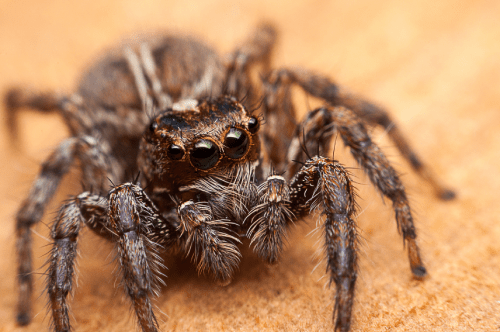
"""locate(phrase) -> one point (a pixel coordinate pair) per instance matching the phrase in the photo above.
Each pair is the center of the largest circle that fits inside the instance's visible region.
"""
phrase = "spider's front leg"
(325, 185)
(132, 217)
(96, 163)
(126, 218)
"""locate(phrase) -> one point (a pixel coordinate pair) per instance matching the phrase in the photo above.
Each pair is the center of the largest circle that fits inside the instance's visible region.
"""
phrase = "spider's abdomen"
(185, 67)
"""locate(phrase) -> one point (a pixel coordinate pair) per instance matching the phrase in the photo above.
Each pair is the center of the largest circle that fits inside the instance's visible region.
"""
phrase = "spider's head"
(217, 138)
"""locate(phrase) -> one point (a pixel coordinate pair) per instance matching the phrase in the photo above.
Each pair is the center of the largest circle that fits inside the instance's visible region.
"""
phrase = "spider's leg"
(322, 87)
(17, 98)
(324, 185)
(280, 122)
(96, 167)
(78, 118)
(132, 217)
(373, 161)
(143, 69)
(30, 213)
(257, 49)
(83, 208)
(213, 246)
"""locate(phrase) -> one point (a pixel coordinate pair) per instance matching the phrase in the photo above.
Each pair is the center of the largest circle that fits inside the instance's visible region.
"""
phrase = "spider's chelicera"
(210, 169)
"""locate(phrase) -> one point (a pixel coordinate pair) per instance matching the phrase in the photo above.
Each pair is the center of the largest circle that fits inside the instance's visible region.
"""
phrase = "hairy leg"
(322, 87)
(83, 208)
(323, 185)
(255, 50)
(134, 220)
(95, 164)
(17, 98)
(373, 161)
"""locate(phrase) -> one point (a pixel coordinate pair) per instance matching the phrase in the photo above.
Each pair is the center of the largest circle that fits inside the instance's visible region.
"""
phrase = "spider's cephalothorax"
(205, 179)
(202, 162)
(181, 147)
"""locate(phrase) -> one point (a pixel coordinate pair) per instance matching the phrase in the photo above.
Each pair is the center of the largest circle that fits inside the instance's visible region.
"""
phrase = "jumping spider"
(190, 123)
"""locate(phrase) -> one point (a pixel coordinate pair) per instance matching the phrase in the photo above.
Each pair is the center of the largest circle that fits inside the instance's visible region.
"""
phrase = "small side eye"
(236, 143)
(205, 154)
(175, 152)
(253, 125)
(153, 126)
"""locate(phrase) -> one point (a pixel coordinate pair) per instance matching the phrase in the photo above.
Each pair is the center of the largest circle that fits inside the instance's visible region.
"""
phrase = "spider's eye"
(153, 126)
(205, 154)
(236, 143)
(175, 152)
(253, 125)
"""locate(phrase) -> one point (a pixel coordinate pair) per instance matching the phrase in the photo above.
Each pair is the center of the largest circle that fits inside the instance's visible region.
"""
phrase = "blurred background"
(435, 65)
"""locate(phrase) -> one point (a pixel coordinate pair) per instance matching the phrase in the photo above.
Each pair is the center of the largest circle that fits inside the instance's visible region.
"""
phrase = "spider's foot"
(419, 272)
(416, 264)
(447, 194)
(23, 318)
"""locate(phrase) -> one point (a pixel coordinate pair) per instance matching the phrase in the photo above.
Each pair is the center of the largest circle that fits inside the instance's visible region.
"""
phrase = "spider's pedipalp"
(213, 246)
(270, 218)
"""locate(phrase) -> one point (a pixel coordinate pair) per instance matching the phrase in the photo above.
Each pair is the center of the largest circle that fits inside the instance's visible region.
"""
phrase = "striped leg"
(131, 215)
(324, 185)
(64, 250)
(373, 161)
(322, 87)
(96, 168)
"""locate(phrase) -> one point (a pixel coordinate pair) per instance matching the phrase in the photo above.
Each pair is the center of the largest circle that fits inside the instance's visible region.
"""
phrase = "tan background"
(434, 64)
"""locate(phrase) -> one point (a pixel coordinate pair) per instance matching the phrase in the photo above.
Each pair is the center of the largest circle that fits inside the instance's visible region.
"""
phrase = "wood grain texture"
(434, 64)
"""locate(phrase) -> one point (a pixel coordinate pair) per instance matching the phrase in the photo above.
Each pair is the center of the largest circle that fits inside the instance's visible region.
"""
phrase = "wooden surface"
(434, 64)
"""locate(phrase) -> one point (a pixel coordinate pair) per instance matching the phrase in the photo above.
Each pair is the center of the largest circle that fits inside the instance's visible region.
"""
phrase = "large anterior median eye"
(205, 154)
(236, 143)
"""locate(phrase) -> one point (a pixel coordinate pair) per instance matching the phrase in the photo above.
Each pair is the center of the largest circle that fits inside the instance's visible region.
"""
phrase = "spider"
(168, 137)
